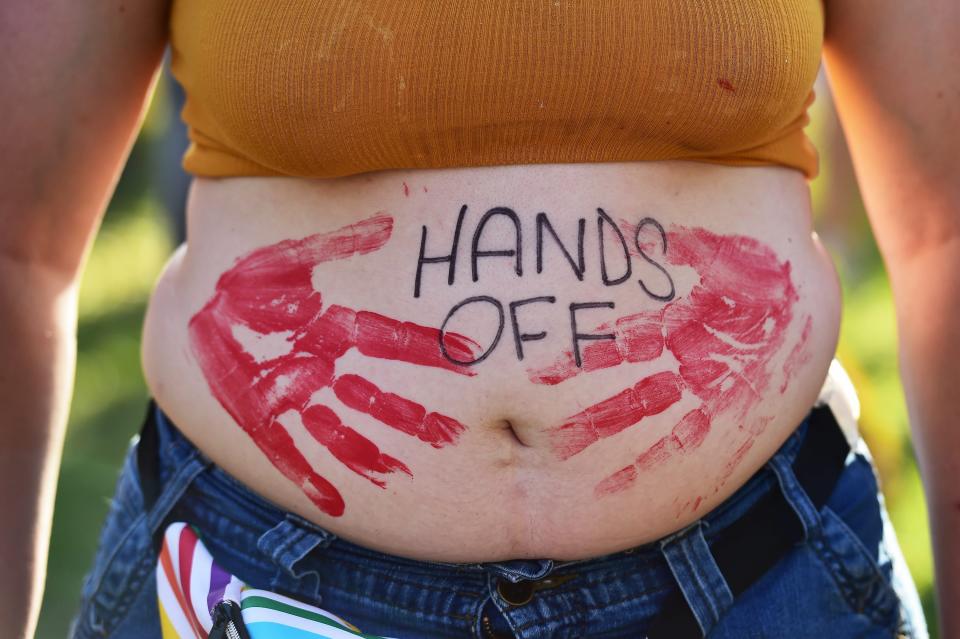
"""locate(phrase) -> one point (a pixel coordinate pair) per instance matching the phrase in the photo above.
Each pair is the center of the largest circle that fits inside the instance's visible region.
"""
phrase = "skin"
(235, 357)
(75, 78)
(723, 330)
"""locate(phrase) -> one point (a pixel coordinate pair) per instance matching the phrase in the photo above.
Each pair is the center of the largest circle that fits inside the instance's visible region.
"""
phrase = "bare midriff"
(478, 364)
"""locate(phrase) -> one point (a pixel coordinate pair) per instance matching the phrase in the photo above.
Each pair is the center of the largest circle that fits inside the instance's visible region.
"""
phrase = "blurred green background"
(138, 235)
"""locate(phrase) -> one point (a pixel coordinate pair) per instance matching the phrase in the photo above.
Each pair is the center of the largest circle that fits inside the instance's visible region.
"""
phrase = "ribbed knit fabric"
(325, 88)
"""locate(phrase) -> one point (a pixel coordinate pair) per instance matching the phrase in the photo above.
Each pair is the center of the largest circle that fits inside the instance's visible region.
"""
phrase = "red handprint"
(269, 292)
(722, 334)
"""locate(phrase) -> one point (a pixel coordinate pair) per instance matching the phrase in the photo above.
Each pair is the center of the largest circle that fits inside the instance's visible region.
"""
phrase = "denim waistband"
(273, 548)
(178, 456)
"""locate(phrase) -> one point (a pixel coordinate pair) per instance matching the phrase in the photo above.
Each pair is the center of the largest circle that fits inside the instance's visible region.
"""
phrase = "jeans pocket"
(862, 573)
(123, 563)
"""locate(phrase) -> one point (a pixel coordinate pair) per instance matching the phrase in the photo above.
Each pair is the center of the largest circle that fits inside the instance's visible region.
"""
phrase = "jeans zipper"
(227, 622)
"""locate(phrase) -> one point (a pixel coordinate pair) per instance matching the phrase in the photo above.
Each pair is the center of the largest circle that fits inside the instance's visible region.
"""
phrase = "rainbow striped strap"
(190, 586)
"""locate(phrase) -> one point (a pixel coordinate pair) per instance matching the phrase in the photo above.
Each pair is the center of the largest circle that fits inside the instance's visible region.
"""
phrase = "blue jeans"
(847, 578)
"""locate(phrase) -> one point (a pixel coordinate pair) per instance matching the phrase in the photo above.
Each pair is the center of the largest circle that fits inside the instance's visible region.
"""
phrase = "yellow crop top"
(326, 88)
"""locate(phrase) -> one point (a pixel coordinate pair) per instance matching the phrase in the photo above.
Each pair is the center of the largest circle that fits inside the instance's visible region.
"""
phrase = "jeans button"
(515, 594)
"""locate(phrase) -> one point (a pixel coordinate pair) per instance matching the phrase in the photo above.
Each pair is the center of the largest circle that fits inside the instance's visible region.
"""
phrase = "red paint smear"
(406, 190)
(230, 372)
(387, 338)
(330, 335)
(752, 431)
(270, 290)
(339, 329)
(685, 437)
(357, 453)
(564, 368)
(397, 412)
(637, 338)
(736, 458)
(651, 395)
(726, 85)
(799, 356)
(691, 431)
(723, 333)
(616, 482)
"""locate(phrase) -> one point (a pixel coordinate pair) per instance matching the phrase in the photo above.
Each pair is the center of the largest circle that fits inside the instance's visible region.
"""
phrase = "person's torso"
(488, 363)
(540, 332)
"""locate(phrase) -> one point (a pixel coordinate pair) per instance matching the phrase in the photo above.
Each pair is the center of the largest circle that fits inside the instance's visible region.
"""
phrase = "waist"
(559, 343)
(232, 515)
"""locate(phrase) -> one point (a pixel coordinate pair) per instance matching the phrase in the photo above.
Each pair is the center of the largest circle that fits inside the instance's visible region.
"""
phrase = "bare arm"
(895, 71)
(73, 81)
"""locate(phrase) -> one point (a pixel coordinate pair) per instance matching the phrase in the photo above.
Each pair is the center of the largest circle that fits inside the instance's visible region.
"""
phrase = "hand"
(270, 292)
(723, 335)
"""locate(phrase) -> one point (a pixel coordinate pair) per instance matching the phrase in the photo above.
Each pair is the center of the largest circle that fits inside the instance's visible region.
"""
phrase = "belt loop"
(288, 543)
(700, 580)
(159, 498)
(796, 496)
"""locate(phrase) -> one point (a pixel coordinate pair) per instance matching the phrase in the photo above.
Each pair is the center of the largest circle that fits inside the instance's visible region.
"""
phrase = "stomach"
(480, 364)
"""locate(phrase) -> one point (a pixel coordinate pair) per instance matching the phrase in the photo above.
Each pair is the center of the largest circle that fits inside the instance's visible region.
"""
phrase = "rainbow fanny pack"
(200, 600)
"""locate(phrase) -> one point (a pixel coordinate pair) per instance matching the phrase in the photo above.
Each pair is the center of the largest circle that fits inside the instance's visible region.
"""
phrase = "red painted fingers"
(268, 297)
(637, 338)
(723, 335)
(352, 449)
(397, 412)
(649, 396)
